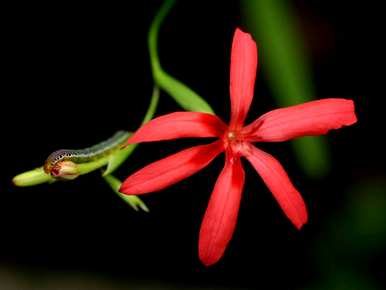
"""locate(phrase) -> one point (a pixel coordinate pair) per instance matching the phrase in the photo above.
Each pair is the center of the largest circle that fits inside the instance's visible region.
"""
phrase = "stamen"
(231, 136)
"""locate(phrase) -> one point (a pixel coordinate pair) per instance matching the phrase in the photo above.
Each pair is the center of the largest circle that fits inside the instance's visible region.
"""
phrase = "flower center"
(234, 140)
(231, 136)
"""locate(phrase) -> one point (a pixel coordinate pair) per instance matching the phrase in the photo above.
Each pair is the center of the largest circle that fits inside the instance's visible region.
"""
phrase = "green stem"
(182, 94)
(117, 159)
(153, 33)
(152, 107)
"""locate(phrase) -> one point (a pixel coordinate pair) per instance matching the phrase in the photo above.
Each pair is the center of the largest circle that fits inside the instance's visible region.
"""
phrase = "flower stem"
(119, 157)
(182, 94)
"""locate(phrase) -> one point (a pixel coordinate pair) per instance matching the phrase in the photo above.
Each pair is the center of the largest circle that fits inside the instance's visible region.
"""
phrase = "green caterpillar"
(92, 153)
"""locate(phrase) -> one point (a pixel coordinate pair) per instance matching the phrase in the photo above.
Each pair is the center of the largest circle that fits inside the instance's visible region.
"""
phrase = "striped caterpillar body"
(92, 153)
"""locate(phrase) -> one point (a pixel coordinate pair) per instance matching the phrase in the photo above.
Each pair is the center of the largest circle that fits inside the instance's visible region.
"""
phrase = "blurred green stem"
(273, 23)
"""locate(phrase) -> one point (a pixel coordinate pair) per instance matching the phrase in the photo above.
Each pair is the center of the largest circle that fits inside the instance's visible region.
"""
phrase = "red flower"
(311, 118)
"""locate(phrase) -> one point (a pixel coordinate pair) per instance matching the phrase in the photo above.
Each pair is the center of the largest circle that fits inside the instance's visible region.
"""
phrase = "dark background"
(73, 75)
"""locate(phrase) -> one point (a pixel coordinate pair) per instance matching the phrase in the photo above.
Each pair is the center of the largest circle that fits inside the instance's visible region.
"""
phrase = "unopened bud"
(32, 177)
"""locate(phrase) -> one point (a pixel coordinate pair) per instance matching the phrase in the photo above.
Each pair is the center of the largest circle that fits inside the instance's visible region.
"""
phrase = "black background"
(73, 75)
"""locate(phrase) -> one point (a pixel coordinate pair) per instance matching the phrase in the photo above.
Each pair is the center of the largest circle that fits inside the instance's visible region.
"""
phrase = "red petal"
(243, 75)
(179, 125)
(221, 215)
(279, 184)
(311, 118)
(170, 170)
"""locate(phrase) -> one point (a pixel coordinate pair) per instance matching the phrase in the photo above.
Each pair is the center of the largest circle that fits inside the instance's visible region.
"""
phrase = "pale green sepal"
(134, 201)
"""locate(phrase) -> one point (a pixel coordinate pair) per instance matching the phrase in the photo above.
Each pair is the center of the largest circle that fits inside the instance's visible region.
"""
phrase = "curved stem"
(182, 94)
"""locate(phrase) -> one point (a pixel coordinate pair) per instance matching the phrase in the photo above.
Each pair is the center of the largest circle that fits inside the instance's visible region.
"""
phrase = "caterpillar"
(92, 153)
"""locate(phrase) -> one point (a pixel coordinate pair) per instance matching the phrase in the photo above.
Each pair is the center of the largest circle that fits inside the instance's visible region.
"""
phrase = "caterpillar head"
(65, 170)
(53, 159)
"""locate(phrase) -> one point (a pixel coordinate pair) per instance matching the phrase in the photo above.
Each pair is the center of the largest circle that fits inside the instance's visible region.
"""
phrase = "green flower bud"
(32, 177)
